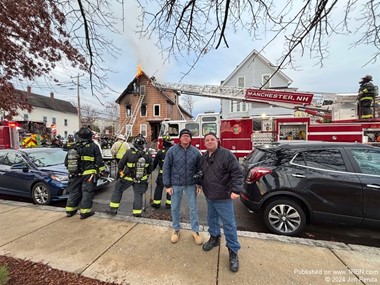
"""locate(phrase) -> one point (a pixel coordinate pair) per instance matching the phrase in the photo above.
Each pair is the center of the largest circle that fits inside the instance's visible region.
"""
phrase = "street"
(245, 220)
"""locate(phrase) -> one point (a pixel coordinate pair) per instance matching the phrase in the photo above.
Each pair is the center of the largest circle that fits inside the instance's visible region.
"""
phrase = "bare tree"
(188, 103)
(36, 36)
(89, 115)
(197, 27)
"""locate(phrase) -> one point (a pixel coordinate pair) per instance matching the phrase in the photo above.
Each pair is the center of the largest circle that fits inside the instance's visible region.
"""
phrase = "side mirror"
(22, 166)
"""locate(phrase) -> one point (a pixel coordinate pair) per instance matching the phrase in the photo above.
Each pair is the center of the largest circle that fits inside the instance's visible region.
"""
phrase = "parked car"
(37, 173)
(293, 184)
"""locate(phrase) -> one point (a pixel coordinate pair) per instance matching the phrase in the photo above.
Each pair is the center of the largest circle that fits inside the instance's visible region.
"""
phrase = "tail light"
(256, 173)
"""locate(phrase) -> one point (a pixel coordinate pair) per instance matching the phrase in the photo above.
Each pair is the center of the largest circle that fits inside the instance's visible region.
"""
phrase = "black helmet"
(84, 134)
(366, 78)
(139, 142)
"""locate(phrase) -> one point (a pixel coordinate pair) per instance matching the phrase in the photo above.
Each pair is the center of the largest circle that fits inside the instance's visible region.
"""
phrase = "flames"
(139, 71)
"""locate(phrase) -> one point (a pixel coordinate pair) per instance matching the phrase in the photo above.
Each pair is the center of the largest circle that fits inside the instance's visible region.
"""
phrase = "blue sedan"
(37, 173)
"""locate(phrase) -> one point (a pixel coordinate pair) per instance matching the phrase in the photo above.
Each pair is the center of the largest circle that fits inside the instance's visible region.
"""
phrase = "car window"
(368, 160)
(328, 159)
(13, 158)
(50, 158)
(3, 159)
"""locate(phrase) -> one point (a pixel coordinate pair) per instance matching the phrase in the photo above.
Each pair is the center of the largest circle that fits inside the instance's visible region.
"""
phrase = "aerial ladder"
(240, 94)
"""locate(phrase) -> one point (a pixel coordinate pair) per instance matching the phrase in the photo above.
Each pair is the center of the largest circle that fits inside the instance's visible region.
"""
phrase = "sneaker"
(157, 206)
(197, 238)
(234, 261)
(87, 215)
(175, 236)
(111, 211)
(212, 242)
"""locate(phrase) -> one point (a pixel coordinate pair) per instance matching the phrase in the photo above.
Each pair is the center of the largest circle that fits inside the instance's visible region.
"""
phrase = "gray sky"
(341, 72)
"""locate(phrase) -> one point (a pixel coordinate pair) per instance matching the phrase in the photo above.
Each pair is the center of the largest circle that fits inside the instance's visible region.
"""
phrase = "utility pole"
(78, 96)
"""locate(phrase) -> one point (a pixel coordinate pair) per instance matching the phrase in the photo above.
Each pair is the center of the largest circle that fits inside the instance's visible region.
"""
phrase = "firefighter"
(84, 163)
(366, 96)
(134, 167)
(70, 143)
(159, 160)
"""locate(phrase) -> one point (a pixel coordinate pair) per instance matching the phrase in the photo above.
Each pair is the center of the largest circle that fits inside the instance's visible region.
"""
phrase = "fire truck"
(335, 121)
(25, 134)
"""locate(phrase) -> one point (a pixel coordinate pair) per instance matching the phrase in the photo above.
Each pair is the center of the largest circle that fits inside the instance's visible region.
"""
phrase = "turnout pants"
(81, 192)
(138, 190)
(158, 192)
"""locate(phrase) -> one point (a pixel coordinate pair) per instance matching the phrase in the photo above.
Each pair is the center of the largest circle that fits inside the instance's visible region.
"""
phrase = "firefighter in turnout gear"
(366, 97)
(134, 167)
(84, 163)
(159, 160)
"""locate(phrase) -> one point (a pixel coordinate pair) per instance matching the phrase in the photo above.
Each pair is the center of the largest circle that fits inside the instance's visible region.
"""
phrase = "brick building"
(153, 106)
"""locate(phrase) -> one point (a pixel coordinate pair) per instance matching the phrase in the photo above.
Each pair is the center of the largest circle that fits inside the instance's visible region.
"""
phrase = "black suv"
(293, 184)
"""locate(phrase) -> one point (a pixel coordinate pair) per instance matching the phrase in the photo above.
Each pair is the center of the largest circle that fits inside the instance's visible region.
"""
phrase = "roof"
(253, 54)
(46, 102)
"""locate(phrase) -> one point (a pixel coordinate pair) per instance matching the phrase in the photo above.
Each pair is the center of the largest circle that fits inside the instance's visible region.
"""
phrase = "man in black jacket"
(222, 182)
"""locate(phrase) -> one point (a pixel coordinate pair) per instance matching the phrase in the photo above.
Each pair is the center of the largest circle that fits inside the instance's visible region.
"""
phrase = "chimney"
(51, 95)
(28, 91)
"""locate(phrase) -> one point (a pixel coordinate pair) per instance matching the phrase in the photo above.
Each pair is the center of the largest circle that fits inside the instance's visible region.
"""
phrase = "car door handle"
(298, 175)
(373, 186)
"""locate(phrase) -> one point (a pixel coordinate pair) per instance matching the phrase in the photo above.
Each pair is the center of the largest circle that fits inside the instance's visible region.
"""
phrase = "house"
(255, 71)
(143, 107)
(56, 113)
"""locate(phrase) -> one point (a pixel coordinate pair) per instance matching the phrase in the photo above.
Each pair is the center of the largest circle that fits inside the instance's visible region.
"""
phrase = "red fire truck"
(16, 134)
(337, 121)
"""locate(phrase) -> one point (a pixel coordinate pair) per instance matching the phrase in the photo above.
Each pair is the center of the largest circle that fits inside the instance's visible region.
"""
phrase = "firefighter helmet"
(84, 134)
(139, 142)
(70, 138)
(367, 78)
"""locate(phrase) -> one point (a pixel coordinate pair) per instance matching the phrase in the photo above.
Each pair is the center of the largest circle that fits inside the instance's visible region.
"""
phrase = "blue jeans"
(223, 209)
(176, 206)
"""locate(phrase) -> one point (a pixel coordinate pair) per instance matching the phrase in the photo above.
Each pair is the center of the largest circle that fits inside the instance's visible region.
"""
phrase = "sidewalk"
(129, 250)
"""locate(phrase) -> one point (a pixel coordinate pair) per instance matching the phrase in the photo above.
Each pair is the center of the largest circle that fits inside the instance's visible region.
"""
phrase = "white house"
(60, 114)
(254, 71)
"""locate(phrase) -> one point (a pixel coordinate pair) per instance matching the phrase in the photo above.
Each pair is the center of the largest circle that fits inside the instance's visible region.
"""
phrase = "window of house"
(265, 82)
(142, 89)
(128, 110)
(244, 106)
(26, 117)
(65, 134)
(240, 82)
(237, 106)
(65, 122)
(232, 106)
(128, 130)
(44, 119)
(143, 110)
(156, 110)
(144, 130)
(54, 120)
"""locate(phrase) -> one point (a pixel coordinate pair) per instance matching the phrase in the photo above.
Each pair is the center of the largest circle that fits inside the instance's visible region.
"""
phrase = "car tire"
(41, 194)
(284, 217)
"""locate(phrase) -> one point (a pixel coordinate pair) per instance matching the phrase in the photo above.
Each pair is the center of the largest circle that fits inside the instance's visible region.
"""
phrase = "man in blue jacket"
(182, 162)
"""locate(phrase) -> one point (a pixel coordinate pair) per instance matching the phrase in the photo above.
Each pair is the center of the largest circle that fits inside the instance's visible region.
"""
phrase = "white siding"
(252, 69)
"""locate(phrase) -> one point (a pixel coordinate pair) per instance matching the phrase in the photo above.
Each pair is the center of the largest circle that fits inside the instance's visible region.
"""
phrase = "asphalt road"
(245, 220)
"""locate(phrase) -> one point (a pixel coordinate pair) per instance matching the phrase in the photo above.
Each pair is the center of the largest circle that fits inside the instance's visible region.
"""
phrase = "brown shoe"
(175, 236)
(197, 238)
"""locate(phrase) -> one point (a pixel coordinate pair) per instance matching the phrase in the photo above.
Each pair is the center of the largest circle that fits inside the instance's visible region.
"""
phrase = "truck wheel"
(284, 217)
(41, 194)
